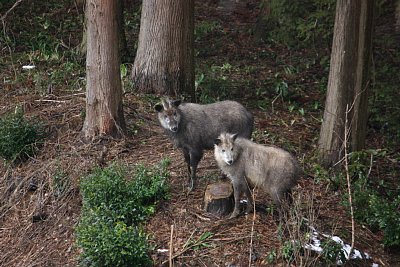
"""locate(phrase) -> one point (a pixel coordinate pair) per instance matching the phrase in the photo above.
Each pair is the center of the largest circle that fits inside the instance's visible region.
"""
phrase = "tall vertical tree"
(164, 62)
(123, 46)
(104, 113)
(348, 79)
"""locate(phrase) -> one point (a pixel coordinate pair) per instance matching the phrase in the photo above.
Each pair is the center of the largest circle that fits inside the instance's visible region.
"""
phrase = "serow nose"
(230, 162)
(174, 128)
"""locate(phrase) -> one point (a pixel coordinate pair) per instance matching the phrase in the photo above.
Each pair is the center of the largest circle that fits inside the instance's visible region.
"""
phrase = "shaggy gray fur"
(193, 127)
(250, 165)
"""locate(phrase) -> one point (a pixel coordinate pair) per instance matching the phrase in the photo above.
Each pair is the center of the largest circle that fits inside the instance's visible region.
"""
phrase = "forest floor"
(37, 226)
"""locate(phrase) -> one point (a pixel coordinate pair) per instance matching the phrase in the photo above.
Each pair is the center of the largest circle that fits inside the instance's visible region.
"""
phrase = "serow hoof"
(234, 215)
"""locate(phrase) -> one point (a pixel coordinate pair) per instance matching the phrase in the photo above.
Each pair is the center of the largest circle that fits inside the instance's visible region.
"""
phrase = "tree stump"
(218, 199)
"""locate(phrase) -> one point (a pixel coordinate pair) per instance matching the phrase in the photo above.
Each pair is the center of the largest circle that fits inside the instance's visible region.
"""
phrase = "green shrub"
(109, 232)
(379, 211)
(383, 105)
(386, 216)
(288, 250)
(150, 185)
(18, 137)
(300, 23)
(108, 243)
(215, 84)
(332, 252)
(204, 28)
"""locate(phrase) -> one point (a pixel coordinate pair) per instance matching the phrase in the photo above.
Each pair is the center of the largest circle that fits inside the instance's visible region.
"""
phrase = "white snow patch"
(315, 245)
(28, 67)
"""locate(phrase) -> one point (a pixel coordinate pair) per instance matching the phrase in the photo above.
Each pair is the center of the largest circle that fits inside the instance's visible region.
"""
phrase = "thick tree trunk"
(104, 114)
(164, 62)
(347, 85)
(123, 46)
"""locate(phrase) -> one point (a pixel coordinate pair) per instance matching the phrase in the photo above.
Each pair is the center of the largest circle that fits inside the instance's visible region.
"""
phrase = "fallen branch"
(199, 216)
(187, 246)
(11, 9)
(50, 100)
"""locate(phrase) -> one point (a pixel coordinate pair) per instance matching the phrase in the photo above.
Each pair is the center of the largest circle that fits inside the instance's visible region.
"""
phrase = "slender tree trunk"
(348, 79)
(363, 72)
(82, 46)
(104, 113)
(397, 15)
(164, 62)
(123, 46)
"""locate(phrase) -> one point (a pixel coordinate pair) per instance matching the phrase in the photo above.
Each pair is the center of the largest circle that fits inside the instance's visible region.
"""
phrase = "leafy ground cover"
(41, 198)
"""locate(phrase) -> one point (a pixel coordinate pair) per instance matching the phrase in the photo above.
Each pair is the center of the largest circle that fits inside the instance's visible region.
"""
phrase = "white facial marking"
(228, 157)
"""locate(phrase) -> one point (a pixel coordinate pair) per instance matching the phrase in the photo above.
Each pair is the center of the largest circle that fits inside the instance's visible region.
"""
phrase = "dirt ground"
(37, 226)
(37, 220)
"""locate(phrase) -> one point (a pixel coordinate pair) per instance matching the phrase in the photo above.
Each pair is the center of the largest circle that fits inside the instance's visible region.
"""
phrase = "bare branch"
(171, 246)
(11, 9)
(252, 226)
(346, 166)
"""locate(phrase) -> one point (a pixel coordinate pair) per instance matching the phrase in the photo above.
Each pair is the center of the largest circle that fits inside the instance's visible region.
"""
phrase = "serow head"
(169, 114)
(225, 147)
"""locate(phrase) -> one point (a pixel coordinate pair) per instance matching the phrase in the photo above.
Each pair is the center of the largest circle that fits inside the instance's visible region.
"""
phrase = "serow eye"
(232, 149)
(223, 150)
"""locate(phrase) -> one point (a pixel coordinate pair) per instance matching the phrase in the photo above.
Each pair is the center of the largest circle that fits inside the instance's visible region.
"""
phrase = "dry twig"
(171, 247)
(346, 166)
(252, 226)
(11, 9)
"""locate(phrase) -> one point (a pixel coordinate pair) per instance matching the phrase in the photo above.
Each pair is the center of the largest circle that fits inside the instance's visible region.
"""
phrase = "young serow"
(250, 165)
(193, 127)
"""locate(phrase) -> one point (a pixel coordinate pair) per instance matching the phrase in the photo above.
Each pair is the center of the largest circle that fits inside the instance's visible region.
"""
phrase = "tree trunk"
(164, 62)
(82, 46)
(218, 198)
(123, 46)
(104, 113)
(347, 85)
(363, 72)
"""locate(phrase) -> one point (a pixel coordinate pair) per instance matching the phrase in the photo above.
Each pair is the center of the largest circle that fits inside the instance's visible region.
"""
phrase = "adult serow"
(194, 127)
(250, 165)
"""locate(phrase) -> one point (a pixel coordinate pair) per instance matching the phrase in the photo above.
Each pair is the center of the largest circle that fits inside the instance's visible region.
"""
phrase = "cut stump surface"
(218, 199)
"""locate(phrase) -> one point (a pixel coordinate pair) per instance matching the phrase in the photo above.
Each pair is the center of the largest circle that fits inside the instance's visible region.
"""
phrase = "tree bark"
(218, 198)
(348, 79)
(363, 76)
(123, 46)
(104, 113)
(164, 62)
(81, 48)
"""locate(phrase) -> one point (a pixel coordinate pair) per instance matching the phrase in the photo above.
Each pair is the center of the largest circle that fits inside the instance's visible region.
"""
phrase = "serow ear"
(234, 136)
(176, 103)
(158, 107)
(217, 141)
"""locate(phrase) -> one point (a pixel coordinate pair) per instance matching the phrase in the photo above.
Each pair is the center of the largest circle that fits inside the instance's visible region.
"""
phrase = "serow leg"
(236, 195)
(194, 161)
